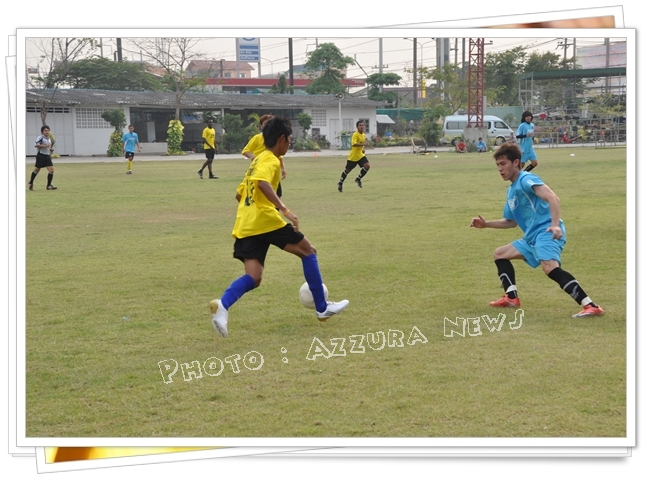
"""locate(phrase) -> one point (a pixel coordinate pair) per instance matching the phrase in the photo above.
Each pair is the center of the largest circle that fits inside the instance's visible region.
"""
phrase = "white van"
(497, 128)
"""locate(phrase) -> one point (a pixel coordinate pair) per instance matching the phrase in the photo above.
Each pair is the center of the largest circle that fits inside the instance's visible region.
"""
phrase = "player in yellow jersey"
(256, 146)
(356, 157)
(259, 224)
(208, 135)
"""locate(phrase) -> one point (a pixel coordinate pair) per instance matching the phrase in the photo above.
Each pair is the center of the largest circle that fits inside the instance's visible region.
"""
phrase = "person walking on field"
(44, 148)
(208, 135)
(129, 142)
(356, 157)
(534, 207)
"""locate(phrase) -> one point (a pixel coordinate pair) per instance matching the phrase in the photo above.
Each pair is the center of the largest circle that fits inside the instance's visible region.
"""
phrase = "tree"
(171, 55)
(450, 90)
(501, 72)
(325, 66)
(281, 86)
(118, 120)
(57, 55)
(102, 74)
(305, 121)
(236, 136)
(377, 81)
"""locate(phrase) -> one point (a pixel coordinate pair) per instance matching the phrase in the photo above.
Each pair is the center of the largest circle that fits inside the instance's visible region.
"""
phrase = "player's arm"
(282, 168)
(269, 193)
(247, 151)
(546, 194)
(503, 223)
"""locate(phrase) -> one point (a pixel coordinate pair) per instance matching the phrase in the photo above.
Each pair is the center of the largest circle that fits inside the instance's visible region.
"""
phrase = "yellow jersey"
(256, 145)
(209, 135)
(257, 214)
(356, 152)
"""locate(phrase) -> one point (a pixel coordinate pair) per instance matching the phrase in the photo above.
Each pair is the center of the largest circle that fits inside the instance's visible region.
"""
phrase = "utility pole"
(119, 58)
(414, 72)
(291, 64)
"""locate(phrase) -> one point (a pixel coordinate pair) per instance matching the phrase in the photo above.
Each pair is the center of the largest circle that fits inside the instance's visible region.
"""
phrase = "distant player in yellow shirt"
(356, 157)
(208, 135)
(259, 225)
(256, 146)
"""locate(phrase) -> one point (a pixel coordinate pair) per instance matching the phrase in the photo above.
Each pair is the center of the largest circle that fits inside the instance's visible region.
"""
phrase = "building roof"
(105, 98)
(384, 119)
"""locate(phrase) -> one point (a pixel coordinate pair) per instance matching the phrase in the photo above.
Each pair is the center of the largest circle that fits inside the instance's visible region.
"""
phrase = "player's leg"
(307, 253)
(347, 169)
(211, 155)
(506, 272)
(32, 177)
(364, 169)
(531, 156)
(129, 162)
(253, 255)
(549, 252)
(51, 172)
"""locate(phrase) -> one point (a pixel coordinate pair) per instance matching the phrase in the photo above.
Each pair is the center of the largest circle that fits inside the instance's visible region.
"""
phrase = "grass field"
(120, 270)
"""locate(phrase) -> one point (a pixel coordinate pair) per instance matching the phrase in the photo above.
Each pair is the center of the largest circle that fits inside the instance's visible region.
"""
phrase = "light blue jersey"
(527, 143)
(130, 140)
(528, 210)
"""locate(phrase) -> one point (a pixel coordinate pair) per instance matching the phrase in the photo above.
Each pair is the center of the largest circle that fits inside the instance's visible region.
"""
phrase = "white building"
(74, 116)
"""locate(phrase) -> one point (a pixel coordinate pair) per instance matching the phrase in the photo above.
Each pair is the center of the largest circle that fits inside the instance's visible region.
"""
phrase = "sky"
(397, 52)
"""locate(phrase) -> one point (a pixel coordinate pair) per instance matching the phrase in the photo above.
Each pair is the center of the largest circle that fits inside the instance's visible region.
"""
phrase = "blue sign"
(248, 49)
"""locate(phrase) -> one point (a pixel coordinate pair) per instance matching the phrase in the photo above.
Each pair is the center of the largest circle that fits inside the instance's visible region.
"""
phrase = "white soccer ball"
(306, 298)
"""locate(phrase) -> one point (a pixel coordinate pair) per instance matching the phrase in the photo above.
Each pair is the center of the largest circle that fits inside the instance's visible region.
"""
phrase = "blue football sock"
(315, 282)
(237, 289)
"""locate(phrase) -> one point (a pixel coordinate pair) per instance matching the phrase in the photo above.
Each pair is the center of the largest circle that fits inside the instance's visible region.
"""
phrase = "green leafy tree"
(325, 66)
(118, 120)
(305, 121)
(378, 80)
(175, 137)
(501, 72)
(103, 74)
(430, 129)
(236, 136)
(450, 91)
(281, 86)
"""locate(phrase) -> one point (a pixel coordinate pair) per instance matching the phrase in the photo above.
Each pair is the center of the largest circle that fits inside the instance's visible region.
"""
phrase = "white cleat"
(219, 317)
(332, 309)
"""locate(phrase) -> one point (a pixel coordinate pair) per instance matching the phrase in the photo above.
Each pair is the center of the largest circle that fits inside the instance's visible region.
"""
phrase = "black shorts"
(210, 153)
(43, 161)
(129, 154)
(352, 164)
(256, 247)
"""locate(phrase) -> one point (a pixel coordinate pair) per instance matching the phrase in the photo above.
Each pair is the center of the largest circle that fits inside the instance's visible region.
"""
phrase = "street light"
(271, 63)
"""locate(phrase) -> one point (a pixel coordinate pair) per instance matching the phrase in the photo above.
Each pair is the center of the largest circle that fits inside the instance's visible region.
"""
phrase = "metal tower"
(476, 83)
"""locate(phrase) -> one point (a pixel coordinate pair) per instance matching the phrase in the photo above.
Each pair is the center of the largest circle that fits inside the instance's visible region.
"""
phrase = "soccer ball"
(306, 298)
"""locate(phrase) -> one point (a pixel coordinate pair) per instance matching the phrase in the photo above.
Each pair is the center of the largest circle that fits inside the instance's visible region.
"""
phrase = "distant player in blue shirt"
(525, 135)
(130, 141)
(481, 146)
(533, 206)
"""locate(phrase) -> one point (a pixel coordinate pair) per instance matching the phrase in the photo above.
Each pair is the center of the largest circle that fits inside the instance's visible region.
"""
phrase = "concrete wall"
(78, 132)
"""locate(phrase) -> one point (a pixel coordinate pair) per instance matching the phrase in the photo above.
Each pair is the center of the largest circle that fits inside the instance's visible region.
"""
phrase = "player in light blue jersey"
(130, 141)
(534, 207)
(525, 135)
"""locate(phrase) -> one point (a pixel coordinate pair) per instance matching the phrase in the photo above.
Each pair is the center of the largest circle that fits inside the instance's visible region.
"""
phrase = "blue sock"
(237, 289)
(315, 282)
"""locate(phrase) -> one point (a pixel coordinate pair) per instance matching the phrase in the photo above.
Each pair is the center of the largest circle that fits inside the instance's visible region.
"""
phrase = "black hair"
(44, 127)
(526, 113)
(275, 128)
(358, 122)
(510, 151)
